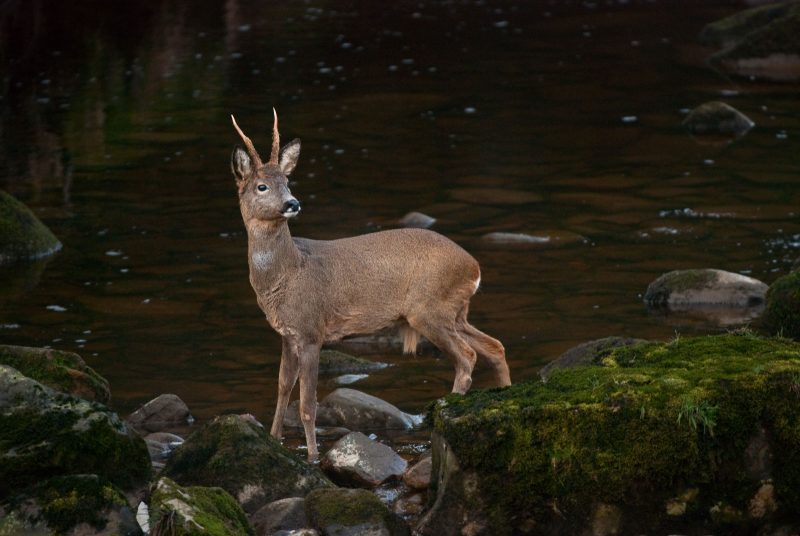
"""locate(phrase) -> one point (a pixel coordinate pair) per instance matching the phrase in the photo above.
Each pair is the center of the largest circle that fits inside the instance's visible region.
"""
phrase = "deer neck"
(273, 256)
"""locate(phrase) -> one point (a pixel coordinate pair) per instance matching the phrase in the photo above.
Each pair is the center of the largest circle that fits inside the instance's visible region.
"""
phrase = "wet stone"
(418, 220)
(334, 362)
(284, 514)
(357, 460)
(418, 475)
(162, 412)
(22, 236)
(351, 512)
(539, 239)
(681, 289)
(717, 118)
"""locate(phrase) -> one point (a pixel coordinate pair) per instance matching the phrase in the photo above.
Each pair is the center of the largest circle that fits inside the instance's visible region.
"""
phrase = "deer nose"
(291, 207)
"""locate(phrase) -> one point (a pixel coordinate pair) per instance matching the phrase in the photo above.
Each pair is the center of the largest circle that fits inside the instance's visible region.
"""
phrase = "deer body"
(318, 291)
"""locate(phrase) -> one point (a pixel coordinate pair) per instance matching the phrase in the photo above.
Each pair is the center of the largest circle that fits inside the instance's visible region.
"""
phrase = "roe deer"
(317, 291)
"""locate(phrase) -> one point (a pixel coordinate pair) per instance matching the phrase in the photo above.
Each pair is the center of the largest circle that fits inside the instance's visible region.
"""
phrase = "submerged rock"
(355, 410)
(587, 353)
(163, 412)
(717, 118)
(333, 362)
(357, 460)
(284, 514)
(782, 313)
(22, 236)
(682, 289)
(196, 511)
(418, 220)
(236, 454)
(44, 433)
(621, 439)
(351, 512)
(541, 239)
(62, 371)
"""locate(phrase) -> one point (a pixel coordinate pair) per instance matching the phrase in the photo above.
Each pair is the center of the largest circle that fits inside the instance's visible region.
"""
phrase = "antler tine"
(276, 140)
(247, 143)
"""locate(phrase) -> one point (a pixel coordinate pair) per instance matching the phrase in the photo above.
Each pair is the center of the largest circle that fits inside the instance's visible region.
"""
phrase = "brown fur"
(315, 292)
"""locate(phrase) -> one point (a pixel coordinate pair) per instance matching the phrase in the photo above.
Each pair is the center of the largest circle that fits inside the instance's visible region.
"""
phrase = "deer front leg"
(287, 377)
(309, 368)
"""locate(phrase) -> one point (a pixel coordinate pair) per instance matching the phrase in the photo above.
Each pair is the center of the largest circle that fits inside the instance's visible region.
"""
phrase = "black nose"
(292, 205)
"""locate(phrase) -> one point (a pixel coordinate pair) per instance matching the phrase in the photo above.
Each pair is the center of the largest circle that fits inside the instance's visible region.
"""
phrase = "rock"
(75, 504)
(163, 412)
(349, 379)
(651, 422)
(683, 289)
(355, 410)
(62, 371)
(677, 506)
(357, 460)
(587, 353)
(543, 238)
(782, 313)
(44, 433)
(184, 511)
(717, 118)
(606, 520)
(410, 505)
(285, 514)
(22, 236)
(418, 220)
(333, 362)
(380, 342)
(351, 512)
(762, 42)
(236, 453)
(418, 475)
(763, 502)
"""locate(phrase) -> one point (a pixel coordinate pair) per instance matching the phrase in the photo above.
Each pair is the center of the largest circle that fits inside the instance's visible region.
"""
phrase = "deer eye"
(262, 187)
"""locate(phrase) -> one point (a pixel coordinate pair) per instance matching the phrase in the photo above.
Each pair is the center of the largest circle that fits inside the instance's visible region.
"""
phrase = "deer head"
(264, 188)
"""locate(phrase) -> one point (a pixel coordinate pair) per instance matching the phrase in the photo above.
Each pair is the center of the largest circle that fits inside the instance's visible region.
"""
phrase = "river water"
(558, 119)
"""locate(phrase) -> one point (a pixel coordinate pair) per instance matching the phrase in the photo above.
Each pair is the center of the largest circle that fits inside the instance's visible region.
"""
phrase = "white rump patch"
(477, 284)
(262, 259)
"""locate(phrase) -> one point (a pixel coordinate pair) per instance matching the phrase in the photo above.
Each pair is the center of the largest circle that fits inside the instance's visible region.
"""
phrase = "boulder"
(351, 512)
(355, 410)
(418, 220)
(681, 289)
(62, 371)
(333, 362)
(717, 118)
(163, 412)
(44, 433)
(616, 448)
(235, 453)
(195, 510)
(74, 504)
(357, 460)
(782, 313)
(587, 353)
(22, 236)
(418, 476)
(284, 514)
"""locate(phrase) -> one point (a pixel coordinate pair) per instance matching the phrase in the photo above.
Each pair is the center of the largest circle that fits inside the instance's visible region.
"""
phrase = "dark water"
(554, 118)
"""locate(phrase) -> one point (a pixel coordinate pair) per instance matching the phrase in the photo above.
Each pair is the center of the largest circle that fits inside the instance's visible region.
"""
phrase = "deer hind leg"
(309, 369)
(489, 349)
(446, 337)
(287, 377)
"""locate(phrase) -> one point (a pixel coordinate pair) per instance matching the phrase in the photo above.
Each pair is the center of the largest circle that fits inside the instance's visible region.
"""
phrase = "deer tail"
(410, 339)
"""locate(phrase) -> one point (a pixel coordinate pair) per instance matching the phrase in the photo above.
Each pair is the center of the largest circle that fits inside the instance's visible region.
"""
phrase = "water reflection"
(488, 116)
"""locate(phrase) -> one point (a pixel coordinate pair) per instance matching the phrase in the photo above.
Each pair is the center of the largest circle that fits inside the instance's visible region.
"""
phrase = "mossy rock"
(587, 353)
(235, 453)
(62, 371)
(44, 433)
(195, 511)
(64, 503)
(681, 289)
(734, 28)
(22, 236)
(782, 314)
(717, 118)
(351, 512)
(653, 420)
(333, 362)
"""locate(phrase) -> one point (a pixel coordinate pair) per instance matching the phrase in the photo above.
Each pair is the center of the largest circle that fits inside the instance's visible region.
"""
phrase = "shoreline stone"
(681, 289)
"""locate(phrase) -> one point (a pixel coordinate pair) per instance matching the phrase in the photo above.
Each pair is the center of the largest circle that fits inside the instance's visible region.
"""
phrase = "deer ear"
(289, 155)
(241, 164)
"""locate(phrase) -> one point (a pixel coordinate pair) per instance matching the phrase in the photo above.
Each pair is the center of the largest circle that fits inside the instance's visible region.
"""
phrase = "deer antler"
(276, 140)
(249, 143)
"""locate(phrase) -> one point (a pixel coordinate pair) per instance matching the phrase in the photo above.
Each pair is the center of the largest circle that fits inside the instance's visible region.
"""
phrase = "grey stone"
(418, 220)
(357, 460)
(355, 410)
(418, 476)
(717, 118)
(333, 362)
(161, 413)
(351, 512)
(284, 514)
(587, 353)
(682, 289)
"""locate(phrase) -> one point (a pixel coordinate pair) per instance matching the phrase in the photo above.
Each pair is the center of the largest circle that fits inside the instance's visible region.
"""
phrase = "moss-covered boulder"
(587, 353)
(74, 504)
(235, 453)
(717, 118)
(350, 512)
(62, 371)
(22, 236)
(44, 433)
(763, 41)
(195, 511)
(332, 362)
(657, 434)
(782, 314)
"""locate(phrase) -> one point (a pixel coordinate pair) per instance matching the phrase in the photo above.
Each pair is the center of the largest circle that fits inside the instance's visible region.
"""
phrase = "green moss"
(195, 511)
(664, 417)
(326, 508)
(782, 313)
(62, 371)
(22, 235)
(70, 500)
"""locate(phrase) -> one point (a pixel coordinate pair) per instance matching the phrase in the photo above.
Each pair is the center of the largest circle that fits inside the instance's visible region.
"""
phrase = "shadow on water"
(558, 120)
